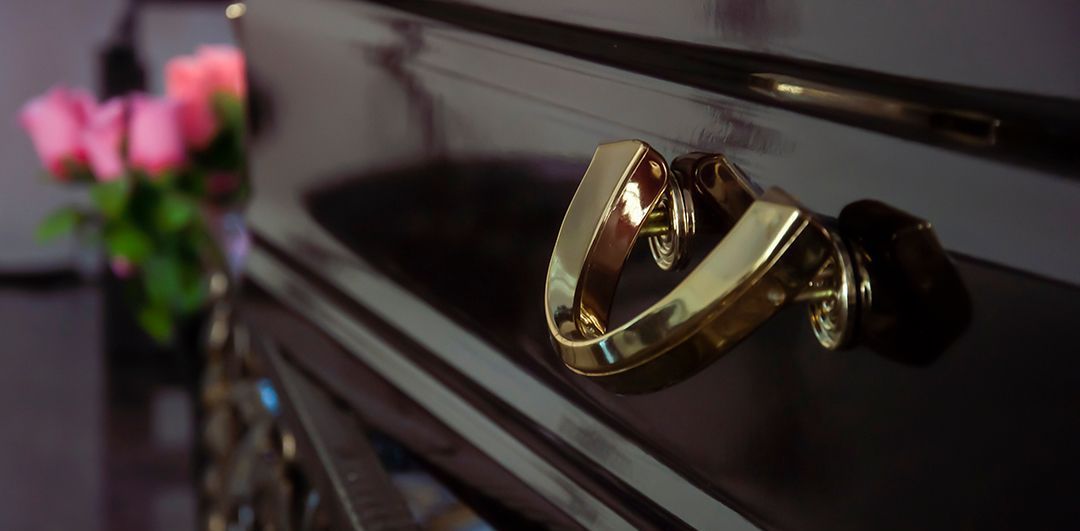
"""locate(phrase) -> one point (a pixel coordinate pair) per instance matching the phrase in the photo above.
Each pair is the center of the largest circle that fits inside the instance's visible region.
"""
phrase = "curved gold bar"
(768, 257)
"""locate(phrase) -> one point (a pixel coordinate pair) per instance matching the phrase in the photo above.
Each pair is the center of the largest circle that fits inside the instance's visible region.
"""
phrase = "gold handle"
(775, 252)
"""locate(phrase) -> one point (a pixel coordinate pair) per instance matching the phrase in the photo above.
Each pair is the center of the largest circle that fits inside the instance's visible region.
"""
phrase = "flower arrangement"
(152, 165)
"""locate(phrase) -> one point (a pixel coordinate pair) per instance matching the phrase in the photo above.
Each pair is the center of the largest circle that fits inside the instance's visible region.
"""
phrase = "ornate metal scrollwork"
(250, 479)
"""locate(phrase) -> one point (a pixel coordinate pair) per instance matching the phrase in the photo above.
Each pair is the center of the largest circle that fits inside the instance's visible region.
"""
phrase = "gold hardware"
(670, 226)
(774, 253)
(968, 127)
(833, 298)
(658, 222)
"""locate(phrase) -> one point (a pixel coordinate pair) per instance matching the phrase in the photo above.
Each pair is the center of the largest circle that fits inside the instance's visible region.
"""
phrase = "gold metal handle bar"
(771, 255)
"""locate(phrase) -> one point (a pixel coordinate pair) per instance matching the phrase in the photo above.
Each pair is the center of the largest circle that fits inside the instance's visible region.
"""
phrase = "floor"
(85, 446)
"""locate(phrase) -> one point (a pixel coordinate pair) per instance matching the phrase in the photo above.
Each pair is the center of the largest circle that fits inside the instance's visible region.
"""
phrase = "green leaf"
(156, 321)
(192, 295)
(173, 213)
(192, 182)
(110, 197)
(162, 279)
(230, 109)
(57, 224)
(128, 241)
(164, 178)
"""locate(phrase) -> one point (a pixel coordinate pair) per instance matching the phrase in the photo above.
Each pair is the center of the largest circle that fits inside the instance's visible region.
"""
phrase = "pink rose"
(185, 81)
(155, 142)
(55, 122)
(101, 139)
(194, 79)
(224, 67)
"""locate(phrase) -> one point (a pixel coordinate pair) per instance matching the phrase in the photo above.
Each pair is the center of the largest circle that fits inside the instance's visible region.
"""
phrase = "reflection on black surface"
(431, 502)
(475, 241)
(394, 60)
(980, 427)
(754, 20)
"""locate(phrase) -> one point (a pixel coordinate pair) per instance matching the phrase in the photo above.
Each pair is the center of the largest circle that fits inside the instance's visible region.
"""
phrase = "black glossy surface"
(382, 407)
(395, 151)
(430, 91)
(495, 252)
(987, 422)
(986, 43)
(1023, 129)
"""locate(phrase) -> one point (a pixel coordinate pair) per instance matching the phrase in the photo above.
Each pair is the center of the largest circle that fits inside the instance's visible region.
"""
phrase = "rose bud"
(55, 121)
(186, 82)
(155, 142)
(224, 67)
(102, 139)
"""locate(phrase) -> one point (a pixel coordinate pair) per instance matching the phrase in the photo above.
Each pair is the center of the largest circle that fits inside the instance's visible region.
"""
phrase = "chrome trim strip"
(479, 361)
(434, 396)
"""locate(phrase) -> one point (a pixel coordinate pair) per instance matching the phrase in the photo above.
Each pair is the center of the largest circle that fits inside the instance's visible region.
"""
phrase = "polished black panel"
(412, 173)
(1019, 128)
(994, 44)
(496, 494)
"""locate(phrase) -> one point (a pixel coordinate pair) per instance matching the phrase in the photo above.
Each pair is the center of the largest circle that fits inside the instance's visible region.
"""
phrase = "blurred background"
(98, 421)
